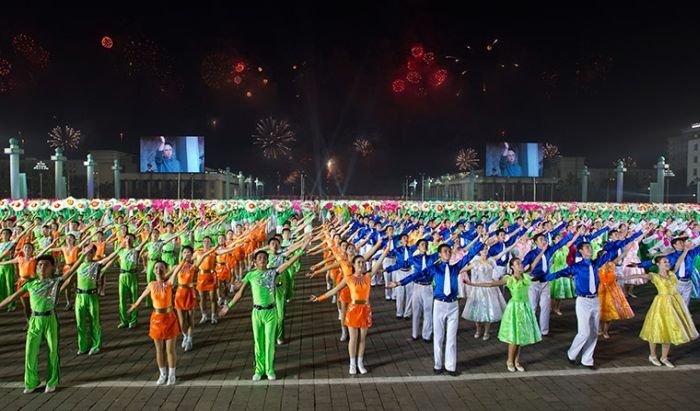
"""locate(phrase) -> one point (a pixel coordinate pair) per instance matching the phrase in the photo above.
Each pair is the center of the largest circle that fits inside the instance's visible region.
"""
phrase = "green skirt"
(518, 325)
(562, 288)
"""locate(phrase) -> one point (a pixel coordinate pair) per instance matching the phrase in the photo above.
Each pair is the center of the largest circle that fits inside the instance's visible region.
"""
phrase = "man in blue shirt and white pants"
(445, 278)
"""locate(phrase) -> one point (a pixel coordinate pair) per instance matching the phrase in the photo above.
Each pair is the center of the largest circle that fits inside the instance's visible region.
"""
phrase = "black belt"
(446, 300)
(260, 307)
(424, 283)
(79, 291)
(127, 272)
(684, 280)
(405, 269)
(588, 296)
(168, 251)
(42, 314)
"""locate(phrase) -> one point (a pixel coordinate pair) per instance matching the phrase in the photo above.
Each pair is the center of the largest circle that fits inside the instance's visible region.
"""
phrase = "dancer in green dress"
(518, 326)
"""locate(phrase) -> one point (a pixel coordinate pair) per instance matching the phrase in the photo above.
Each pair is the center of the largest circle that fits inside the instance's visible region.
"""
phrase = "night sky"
(600, 83)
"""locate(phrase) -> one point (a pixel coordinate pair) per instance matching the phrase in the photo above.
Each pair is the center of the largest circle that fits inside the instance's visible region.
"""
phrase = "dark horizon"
(604, 84)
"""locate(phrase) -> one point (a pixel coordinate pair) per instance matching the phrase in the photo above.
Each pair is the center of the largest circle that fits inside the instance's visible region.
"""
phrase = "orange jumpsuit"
(163, 325)
(185, 297)
(359, 313)
(206, 279)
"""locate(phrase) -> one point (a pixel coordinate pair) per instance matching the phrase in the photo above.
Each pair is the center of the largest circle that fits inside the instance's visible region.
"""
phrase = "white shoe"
(519, 367)
(29, 390)
(49, 389)
(171, 380)
(271, 377)
(184, 341)
(654, 361)
(162, 379)
(188, 346)
(204, 319)
(361, 368)
(94, 351)
(257, 377)
(353, 369)
(214, 320)
(667, 363)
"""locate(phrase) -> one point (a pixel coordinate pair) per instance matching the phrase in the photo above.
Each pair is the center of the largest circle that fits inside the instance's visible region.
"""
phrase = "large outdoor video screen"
(180, 154)
(514, 160)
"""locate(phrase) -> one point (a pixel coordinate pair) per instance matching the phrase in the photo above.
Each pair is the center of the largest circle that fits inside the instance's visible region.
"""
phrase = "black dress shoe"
(398, 317)
(437, 372)
(414, 338)
(453, 373)
(428, 341)
(571, 362)
(406, 318)
(589, 367)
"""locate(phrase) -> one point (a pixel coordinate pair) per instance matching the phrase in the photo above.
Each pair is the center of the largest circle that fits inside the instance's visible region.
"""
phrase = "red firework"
(420, 74)
(107, 42)
(5, 67)
(237, 80)
(398, 86)
(417, 51)
(239, 67)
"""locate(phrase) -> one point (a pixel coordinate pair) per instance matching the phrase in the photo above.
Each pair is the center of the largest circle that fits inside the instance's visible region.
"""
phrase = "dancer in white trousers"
(422, 298)
(445, 278)
(585, 274)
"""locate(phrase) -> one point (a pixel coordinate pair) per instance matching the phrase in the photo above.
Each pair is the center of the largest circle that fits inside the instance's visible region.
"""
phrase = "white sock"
(352, 362)
(171, 372)
(163, 371)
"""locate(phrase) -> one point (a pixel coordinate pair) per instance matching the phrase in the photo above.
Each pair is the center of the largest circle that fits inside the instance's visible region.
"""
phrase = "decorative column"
(117, 179)
(227, 184)
(620, 171)
(584, 183)
(59, 181)
(14, 152)
(90, 165)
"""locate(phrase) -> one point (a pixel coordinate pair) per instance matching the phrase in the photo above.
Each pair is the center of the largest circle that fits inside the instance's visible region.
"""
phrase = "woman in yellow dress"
(668, 320)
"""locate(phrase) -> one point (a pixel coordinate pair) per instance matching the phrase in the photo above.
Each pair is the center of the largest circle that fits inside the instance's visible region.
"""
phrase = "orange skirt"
(206, 282)
(344, 295)
(163, 326)
(358, 316)
(20, 282)
(613, 304)
(222, 273)
(239, 254)
(185, 299)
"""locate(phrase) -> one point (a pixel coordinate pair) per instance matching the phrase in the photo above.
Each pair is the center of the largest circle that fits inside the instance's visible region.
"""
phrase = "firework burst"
(292, 178)
(363, 147)
(64, 137)
(550, 151)
(467, 159)
(628, 162)
(274, 137)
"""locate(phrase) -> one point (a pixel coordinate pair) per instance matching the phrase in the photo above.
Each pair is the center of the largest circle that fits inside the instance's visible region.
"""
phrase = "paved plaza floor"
(313, 374)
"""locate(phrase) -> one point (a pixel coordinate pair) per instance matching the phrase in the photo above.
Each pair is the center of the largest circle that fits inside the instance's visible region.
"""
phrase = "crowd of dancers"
(208, 260)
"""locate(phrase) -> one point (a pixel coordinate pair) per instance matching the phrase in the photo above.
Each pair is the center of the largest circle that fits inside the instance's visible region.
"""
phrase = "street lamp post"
(41, 167)
(620, 170)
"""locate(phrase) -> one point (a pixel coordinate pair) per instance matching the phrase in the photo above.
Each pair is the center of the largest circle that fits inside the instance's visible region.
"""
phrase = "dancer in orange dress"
(70, 253)
(613, 304)
(185, 296)
(206, 277)
(164, 327)
(359, 315)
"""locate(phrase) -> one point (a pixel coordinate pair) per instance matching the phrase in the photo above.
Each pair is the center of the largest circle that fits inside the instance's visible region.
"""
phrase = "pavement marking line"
(378, 380)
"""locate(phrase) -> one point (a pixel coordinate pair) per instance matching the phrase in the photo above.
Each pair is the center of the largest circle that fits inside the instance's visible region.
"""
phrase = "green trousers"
(264, 331)
(7, 282)
(41, 327)
(150, 276)
(128, 294)
(281, 307)
(87, 311)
